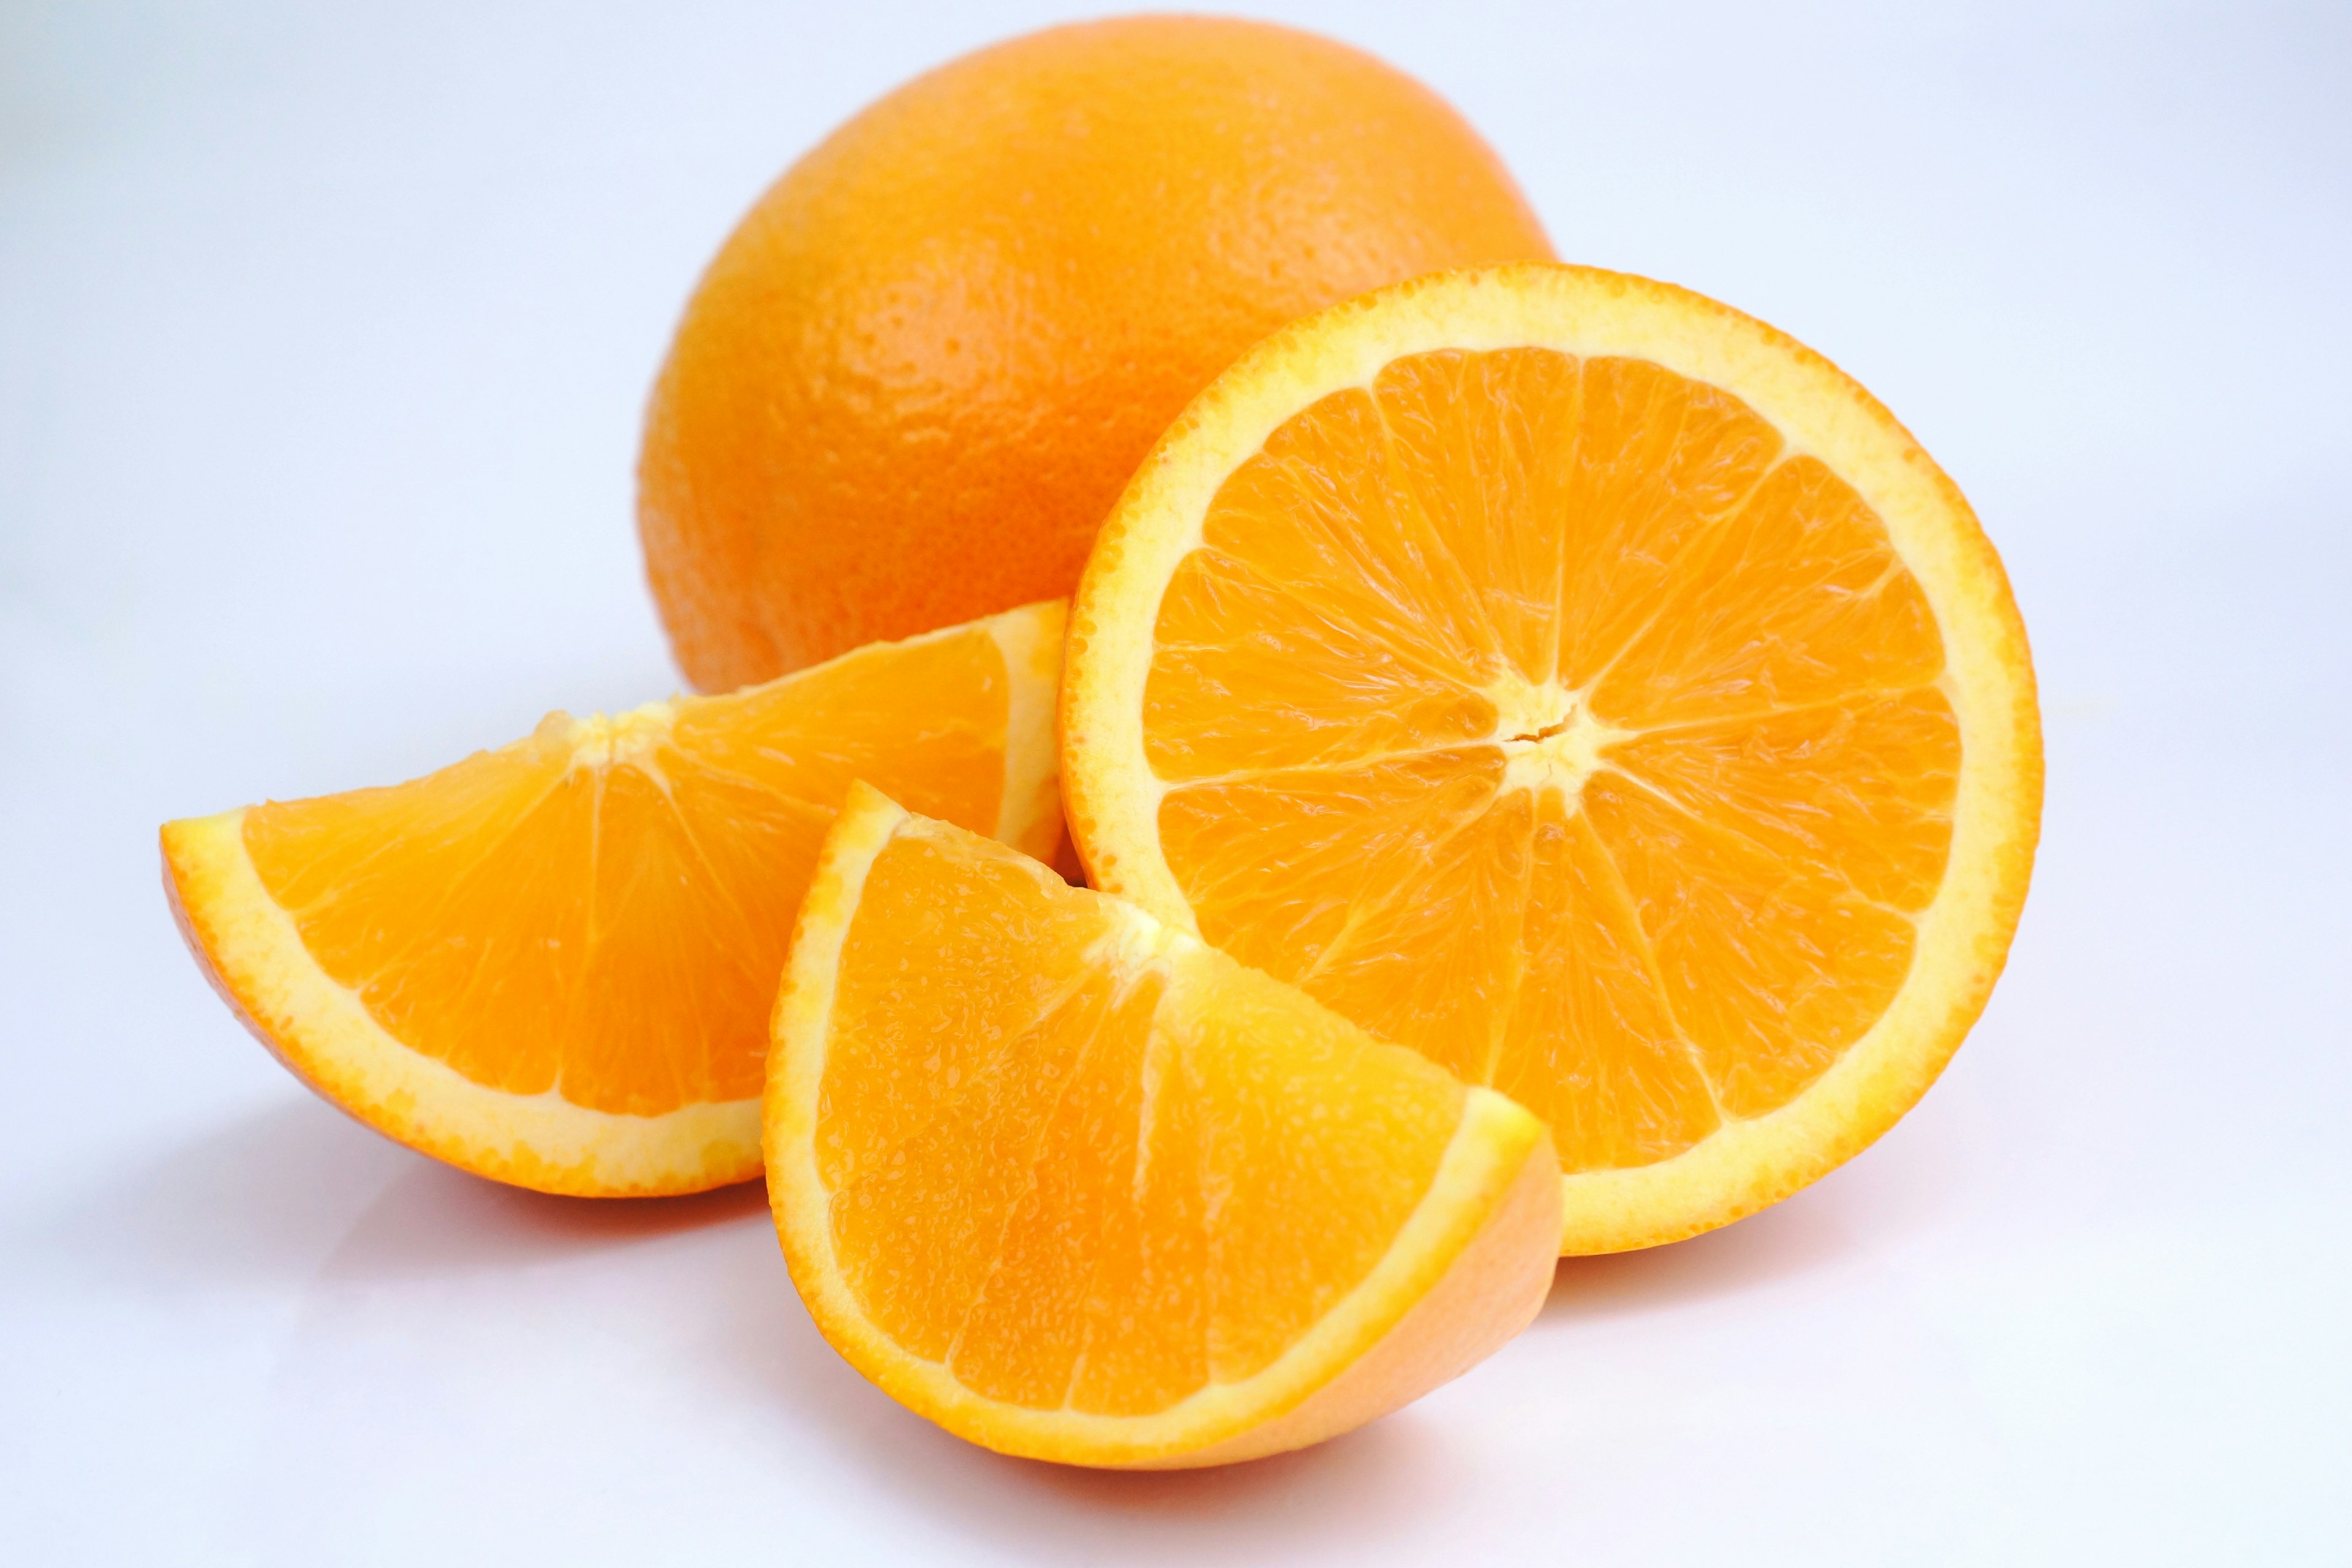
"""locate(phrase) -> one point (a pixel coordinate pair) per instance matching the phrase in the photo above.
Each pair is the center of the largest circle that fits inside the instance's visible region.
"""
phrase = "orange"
(914, 380)
(1077, 1187)
(1585, 684)
(552, 963)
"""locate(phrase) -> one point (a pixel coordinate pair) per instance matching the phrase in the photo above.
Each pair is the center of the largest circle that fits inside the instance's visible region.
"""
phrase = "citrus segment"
(1584, 684)
(1590, 1045)
(1080, 1188)
(553, 963)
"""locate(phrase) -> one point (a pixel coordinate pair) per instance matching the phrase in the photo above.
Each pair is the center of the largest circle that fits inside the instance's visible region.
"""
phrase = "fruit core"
(612, 740)
(1548, 736)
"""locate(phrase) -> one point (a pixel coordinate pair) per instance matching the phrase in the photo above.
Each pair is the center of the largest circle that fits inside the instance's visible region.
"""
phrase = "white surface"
(323, 344)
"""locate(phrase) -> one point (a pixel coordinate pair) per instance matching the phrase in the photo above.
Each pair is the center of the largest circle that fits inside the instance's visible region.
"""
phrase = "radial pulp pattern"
(1585, 685)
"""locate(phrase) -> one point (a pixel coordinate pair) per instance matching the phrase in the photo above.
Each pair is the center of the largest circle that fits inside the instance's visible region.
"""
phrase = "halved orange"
(552, 963)
(1585, 684)
(1077, 1187)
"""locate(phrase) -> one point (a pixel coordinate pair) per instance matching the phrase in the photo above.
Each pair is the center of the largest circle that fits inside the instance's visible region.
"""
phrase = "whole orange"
(917, 376)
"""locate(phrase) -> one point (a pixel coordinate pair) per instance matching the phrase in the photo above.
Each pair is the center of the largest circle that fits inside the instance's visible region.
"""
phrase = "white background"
(324, 333)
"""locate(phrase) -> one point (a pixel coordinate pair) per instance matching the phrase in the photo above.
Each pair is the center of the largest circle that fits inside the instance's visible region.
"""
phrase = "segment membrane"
(636, 1034)
(1318, 1144)
(1800, 598)
(1278, 865)
(1432, 958)
(1481, 448)
(1316, 693)
(1771, 973)
(1319, 510)
(1661, 461)
(1592, 1046)
(428, 900)
(1858, 792)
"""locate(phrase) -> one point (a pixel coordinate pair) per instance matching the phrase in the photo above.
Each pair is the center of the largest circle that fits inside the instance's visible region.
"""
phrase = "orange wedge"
(552, 963)
(1077, 1187)
(1589, 687)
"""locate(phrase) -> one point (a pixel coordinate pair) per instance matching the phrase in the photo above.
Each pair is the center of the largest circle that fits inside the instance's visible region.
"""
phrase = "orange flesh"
(1549, 717)
(1087, 1173)
(601, 909)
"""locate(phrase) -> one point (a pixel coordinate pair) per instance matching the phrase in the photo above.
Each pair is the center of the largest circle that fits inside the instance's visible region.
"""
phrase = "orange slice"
(1585, 684)
(552, 963)
(1077, 1187)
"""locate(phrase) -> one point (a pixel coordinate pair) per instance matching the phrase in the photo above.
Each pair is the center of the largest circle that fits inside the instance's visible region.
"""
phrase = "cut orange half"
(1077, 1187)
(552, 963)
(1589, 687)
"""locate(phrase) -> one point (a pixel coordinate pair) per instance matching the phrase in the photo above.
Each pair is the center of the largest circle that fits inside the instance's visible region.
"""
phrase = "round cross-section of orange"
(1585, 685)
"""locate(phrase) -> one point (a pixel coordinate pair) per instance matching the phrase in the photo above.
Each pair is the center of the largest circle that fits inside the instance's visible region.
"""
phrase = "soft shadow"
(1361, 1470)
(256, 1202)
(277, 1196)
(1354, 1489)
(435, 1220)
(1792, 1239)
(1356, 1493)
(1895, 1188)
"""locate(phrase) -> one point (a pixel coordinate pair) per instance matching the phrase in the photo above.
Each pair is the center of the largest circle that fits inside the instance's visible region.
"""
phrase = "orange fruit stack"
(1560, 764)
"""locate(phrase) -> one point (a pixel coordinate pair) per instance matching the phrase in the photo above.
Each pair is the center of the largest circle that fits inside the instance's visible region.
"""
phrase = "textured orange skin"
(917, 376)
